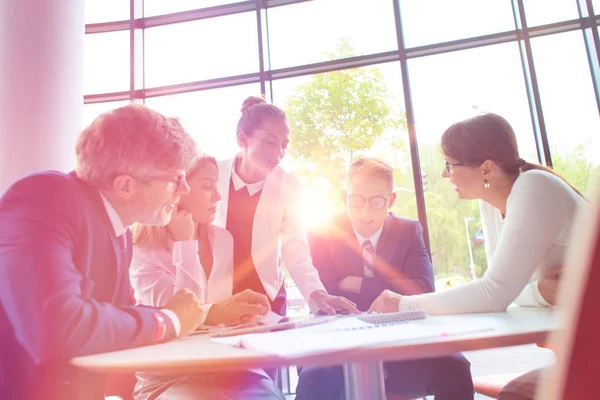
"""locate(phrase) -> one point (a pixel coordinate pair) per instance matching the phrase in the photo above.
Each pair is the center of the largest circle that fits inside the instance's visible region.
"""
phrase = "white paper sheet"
(342, 334)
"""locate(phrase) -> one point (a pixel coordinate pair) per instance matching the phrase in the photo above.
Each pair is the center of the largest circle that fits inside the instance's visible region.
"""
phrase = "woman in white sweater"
(538, 209)
(190, 253)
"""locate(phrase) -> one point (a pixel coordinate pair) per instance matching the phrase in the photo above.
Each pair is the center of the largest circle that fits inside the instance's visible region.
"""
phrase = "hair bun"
(250, 102)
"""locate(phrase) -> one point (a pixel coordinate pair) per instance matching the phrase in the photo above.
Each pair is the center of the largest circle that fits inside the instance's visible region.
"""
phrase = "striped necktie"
(368, 252)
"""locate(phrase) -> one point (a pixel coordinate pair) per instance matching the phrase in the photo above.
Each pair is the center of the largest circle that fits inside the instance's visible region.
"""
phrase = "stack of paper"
(345, 333)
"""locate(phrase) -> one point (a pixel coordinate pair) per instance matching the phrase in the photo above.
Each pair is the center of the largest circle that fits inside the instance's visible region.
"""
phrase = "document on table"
(345, 333)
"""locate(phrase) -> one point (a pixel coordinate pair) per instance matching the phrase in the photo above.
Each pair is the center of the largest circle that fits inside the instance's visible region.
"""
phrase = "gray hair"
(131, 140)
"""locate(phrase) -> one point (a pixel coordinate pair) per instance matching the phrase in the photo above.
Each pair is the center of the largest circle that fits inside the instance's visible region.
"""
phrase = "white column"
(41, 85)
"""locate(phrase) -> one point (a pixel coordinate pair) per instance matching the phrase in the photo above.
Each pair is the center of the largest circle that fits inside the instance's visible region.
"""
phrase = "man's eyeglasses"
(179, 181)
(449, 166)
(358, 201)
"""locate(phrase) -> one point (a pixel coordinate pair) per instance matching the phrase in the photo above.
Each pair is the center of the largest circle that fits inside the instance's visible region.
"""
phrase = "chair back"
(577, 351)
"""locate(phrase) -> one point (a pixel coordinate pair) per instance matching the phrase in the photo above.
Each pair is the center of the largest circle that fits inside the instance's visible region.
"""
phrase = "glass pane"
(569, 106)
(540, 12)
(160, 7)
(106, 65)
(596, 5)
(199, 50)
(106, 10)
(336, 117)
(313, 31)
(91, 111)
(210, 116)
(434, 21)
(447, 88)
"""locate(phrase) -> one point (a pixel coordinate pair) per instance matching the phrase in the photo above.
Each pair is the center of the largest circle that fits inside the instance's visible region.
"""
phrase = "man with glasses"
(359, 255)
(65, 250)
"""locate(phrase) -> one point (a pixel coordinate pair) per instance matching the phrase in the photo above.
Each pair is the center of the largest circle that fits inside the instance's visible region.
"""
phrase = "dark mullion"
(136, 50)
(202, 85)
(268, 44)
(410, 122)
(199, 14)
(104, 27)
(260, 5)
(533, 92)
(327, 66)
(554, 28)
(592, 44)
(334, 65)
(106, 97)
(462, 44)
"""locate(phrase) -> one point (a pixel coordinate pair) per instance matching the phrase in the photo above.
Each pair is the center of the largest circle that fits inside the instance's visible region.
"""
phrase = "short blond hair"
(158, 236)
(131, 140)
(367, 166)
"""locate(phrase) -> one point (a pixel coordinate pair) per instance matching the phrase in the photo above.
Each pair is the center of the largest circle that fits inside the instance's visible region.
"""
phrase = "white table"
(362, 366)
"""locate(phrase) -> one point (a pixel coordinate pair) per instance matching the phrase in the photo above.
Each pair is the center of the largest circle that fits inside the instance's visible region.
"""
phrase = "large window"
(107, 62)
(539, 12)
(159, 7)
(447, 88)
(97, 11)
(336, 67)
(434, 21)
(337, 116)
(310, 32)
(570, 109)
(210, 116)
(199, 50)
(91, 111)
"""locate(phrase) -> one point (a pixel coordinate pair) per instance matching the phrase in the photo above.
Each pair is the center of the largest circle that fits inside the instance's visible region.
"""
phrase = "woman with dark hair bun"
(262, 209)
(538, 208)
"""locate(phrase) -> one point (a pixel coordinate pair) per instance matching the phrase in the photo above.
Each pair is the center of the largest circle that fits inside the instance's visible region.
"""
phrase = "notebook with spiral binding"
(392, 318)
(348, 332)
(374, 319)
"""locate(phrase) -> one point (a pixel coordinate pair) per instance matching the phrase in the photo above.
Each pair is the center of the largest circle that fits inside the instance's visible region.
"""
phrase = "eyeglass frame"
(179, 181)
(364, 200)
(448, 166)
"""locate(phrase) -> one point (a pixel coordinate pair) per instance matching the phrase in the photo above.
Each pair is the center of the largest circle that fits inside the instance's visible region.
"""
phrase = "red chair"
(120, 385)
(577, 351)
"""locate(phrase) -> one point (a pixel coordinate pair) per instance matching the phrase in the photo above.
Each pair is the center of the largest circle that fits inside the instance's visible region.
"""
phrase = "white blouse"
(534, 237)
(157, 272)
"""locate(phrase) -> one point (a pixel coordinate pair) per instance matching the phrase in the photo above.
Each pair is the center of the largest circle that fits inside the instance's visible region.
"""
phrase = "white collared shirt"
(120, 229)
(373, 239)
(368, 271)
(114, 218)
(238, 183)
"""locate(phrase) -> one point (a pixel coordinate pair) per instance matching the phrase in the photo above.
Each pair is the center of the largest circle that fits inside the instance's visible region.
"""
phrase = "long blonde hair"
(152, 236)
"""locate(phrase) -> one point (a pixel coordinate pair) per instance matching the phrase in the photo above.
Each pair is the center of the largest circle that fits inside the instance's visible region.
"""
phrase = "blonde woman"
(190, 253)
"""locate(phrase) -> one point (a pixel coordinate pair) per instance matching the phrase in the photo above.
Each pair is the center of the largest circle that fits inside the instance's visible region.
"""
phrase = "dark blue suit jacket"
(64, 290)
(402, 263)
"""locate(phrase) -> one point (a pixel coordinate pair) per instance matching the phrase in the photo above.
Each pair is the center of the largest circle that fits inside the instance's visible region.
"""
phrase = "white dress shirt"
(373, 239)
(279, 235)
(159, 270)
(239, 183)
(368, 272)
(120, 229)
